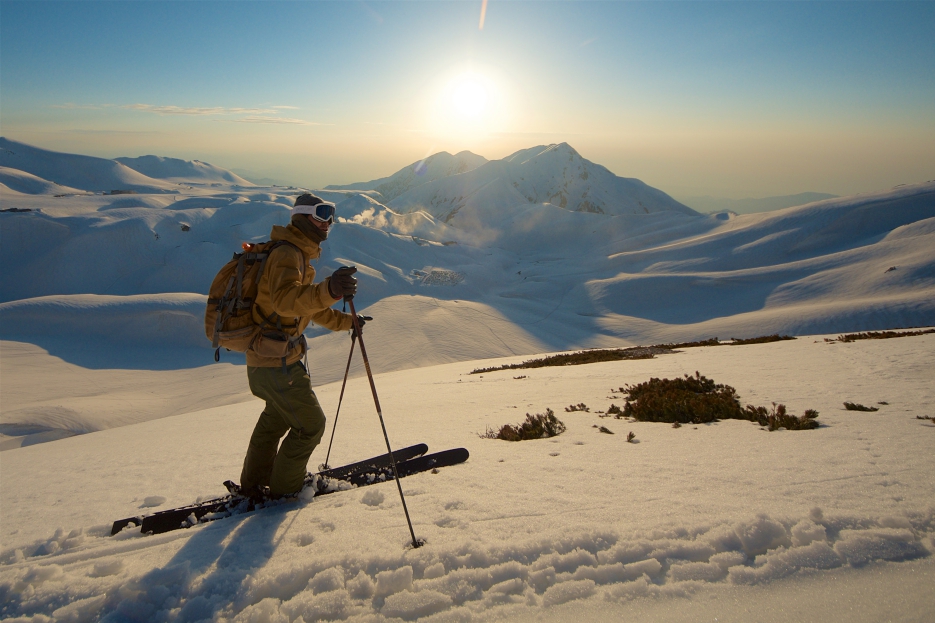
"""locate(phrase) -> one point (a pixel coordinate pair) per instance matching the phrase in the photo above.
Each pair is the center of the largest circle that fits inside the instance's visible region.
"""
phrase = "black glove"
(343, 283)
(361, 321)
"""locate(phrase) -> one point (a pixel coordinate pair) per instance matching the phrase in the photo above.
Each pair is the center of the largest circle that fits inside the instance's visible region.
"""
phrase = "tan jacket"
(284, 290)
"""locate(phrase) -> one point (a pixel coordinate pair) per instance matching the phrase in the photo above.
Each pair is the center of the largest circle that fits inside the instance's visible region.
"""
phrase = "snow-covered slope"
(434, 167)
(76, 171)
(177, 170)
(720, 521)
(15, 182)
(554, 174)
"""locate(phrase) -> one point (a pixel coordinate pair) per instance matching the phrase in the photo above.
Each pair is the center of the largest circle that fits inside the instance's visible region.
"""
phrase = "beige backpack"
(228, 317)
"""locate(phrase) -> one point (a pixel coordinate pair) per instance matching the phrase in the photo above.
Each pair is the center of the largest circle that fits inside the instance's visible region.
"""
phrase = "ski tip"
(121, 524)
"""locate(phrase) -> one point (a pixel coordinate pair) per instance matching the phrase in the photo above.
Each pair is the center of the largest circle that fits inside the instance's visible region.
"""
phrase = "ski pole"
(340, 399)
(376, 401)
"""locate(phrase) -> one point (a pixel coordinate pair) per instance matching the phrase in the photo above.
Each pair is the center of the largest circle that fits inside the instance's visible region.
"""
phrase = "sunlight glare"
(469, 97)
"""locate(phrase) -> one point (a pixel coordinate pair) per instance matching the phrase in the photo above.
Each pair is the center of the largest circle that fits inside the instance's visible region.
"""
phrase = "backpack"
(229, 314)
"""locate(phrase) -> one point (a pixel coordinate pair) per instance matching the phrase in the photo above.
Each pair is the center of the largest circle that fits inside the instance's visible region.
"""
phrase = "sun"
(469, 96)
(465, 103)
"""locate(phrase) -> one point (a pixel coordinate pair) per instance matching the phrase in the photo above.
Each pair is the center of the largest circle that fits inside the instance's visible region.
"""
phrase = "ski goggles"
(323, 212)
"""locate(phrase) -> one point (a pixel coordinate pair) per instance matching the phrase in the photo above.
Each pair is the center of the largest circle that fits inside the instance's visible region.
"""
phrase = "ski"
(425, 463)
(171, 519)
(368, 472)
(342, 473)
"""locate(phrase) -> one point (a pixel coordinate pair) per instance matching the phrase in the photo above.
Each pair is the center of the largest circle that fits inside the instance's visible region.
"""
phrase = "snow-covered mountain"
(16, 182)
(187, 171)
(549, 174)
(436, 166)
(82, 172)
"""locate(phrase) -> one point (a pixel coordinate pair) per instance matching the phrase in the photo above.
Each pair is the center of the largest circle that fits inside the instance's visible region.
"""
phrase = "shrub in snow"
(763, 339)
(880, 335)
(697, 399)
(538, 426)
(856, 406)
(778, 418)
(578, 407)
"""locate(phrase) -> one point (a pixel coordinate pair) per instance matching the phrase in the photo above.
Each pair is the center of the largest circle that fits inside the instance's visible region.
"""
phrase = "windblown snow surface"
(101, 309)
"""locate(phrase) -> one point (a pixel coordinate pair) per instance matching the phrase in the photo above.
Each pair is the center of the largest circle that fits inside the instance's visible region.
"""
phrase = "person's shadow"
(205, 575)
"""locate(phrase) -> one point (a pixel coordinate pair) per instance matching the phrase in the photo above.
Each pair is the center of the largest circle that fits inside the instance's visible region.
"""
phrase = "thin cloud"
(73, 106)
(265, 119)
(588, 41)
(195, 111)
(372, 13)
(287, 107)
(120, 132)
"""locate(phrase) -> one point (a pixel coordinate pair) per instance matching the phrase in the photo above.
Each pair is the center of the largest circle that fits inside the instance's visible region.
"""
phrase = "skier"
(288, 299)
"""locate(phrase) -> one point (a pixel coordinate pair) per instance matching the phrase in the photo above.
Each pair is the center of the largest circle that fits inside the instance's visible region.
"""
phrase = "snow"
(433, 167)
(84, 172)
(112, 405)
(182, 171)
(689, 513)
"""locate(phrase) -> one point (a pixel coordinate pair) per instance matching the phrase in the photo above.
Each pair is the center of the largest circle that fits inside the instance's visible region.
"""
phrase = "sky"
(728, 99)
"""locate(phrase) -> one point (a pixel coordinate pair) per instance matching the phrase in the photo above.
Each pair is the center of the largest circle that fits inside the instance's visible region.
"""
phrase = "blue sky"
(729, 99)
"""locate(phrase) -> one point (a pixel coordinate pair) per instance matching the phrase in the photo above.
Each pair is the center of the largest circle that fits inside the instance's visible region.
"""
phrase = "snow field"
(698, 515)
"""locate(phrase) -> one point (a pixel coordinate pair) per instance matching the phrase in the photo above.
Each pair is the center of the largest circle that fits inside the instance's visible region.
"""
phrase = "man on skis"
(288, 300)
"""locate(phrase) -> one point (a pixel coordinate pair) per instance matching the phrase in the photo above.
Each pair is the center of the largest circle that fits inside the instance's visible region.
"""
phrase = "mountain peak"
(434, 167)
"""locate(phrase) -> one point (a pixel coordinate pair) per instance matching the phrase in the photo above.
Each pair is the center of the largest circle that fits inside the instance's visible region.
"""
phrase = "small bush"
(603, 429)
(578, 407)
(926, 417)
(692, 399)
(697, 400)
(538, 426)
(631, 436)
(778, 418)
(615, 411)
(856, 406)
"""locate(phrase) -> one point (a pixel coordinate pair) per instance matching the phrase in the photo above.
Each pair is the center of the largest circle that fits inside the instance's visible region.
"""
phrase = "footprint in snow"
(153, 501)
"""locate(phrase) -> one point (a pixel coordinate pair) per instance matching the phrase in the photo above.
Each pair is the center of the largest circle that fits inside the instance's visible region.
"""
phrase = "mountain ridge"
(436, 166)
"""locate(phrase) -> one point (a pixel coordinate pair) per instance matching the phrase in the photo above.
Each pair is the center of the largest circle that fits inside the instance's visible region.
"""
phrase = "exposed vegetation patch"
(710, 342)
(765, 339)
(603, 429)
(598, 355)
(697, 400)
(538, 426)
(880, 335)
(856, 406)
(578, 407)
(582, 357)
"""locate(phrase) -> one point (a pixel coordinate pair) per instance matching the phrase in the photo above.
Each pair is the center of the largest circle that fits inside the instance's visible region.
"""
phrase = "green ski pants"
(291, 407)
